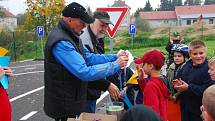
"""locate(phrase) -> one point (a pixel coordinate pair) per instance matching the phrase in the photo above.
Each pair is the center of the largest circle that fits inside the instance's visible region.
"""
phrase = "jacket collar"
(63, 25)
(199, 65)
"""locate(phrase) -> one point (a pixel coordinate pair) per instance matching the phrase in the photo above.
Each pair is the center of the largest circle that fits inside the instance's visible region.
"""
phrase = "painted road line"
(28, 115)
(32, 68)
(25, 94)
(102, 97)
(13, 67)
(33, 72)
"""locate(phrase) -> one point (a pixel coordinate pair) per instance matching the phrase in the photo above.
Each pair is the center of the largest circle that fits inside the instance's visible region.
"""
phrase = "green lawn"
(139, 52)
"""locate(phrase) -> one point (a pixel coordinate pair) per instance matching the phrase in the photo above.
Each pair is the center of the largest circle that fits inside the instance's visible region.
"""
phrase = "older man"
(93, 39)
(69, 66)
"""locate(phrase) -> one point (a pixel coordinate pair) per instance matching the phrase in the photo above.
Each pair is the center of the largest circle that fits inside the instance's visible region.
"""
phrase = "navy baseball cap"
(75, 10)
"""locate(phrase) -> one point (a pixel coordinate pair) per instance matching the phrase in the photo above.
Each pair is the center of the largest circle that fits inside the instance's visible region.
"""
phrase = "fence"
(21, 45)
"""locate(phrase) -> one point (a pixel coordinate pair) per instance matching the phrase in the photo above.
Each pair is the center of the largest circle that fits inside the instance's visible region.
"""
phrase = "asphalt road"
(26, 92)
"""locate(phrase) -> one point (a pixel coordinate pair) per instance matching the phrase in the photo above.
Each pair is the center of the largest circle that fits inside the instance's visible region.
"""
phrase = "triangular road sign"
(117, 15)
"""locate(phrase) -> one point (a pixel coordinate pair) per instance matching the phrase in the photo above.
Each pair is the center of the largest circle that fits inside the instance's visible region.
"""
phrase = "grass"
(140, 51)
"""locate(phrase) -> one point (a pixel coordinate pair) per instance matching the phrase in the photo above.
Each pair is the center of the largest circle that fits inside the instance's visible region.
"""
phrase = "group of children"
(184, 85)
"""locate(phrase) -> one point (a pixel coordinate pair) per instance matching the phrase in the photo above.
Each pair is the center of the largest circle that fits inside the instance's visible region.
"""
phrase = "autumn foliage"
(43, 13)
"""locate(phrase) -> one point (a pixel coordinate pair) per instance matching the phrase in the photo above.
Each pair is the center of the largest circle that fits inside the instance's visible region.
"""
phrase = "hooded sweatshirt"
(156, 96)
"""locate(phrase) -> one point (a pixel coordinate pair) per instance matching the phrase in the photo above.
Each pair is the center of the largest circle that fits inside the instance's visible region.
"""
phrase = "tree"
(165, 5)
(188, 2)
(170, 5)
(142, 24)
(89, 11)
(137, 12)
(197, 2)
(148, 6)
(208, 2)
(21, 19)
(44, 13)
(176, 3)
(179, 3)
(192, 2)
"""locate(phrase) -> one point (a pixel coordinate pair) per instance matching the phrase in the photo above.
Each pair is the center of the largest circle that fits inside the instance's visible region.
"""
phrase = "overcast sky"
(19, 6)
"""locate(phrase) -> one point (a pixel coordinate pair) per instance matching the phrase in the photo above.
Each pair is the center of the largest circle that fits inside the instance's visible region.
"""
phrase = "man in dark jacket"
(93, 39)
(69, 66)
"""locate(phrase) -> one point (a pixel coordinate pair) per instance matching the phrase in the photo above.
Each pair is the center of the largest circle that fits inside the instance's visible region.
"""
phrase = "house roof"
(196, 9)
(158, 15)
(119, 3)
(7, 13)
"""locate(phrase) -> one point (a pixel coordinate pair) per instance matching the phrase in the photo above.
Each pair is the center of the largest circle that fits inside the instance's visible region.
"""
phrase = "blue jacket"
(96, 66)
(198, 79)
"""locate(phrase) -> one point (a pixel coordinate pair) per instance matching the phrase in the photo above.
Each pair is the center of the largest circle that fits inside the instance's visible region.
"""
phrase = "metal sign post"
(40, 32)
(132, 32)
(111, 45)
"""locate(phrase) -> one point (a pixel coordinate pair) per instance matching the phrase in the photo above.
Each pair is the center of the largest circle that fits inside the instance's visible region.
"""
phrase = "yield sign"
(117, 14)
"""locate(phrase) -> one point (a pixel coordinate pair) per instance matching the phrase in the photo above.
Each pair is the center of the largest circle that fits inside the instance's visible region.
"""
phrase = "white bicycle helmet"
(180, 48)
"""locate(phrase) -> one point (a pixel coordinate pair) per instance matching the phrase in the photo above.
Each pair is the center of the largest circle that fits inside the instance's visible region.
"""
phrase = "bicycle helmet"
(175, 34)
(181, 48)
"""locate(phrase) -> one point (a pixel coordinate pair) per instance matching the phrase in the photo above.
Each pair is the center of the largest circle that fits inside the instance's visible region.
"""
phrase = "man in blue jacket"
(93, 39)
(69, 66)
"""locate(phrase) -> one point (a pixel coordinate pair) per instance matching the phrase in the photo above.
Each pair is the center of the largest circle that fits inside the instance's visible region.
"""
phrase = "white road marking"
(32, 68)
(102, 97)
(27, 93)
(40, 88)
(28, 115)
(28, 73)
(26, 66)
(26, 60)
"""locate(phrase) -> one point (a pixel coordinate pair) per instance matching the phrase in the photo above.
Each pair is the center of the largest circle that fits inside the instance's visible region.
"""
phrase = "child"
(211, 70)
(5, 107)
(155, 93)
(208, 104)
(192, 80)
(180, 53)
(176, 39)
(140, 113)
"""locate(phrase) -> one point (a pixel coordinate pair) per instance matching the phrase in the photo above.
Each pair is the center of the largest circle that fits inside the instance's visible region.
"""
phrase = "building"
(187, 15)
(8, 21)
(182, 16)
(159, 18)
(126, 22)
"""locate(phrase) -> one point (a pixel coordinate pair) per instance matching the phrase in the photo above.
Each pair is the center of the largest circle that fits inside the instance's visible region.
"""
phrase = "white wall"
(8, 23)
(158, 23)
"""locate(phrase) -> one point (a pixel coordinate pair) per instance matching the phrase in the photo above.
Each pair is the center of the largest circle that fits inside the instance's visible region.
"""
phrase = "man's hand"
(114, 91)
(122, 60)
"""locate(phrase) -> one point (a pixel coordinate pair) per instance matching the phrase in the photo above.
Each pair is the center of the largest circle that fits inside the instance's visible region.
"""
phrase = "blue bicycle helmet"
(181, 48)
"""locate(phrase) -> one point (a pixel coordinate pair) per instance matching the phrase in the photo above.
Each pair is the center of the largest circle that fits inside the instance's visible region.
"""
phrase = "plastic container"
(115, 108)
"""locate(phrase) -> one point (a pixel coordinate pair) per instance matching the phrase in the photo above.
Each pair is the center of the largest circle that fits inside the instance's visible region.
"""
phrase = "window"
(194, 21)
(211, 21)
(188, 22)
(166, 21)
